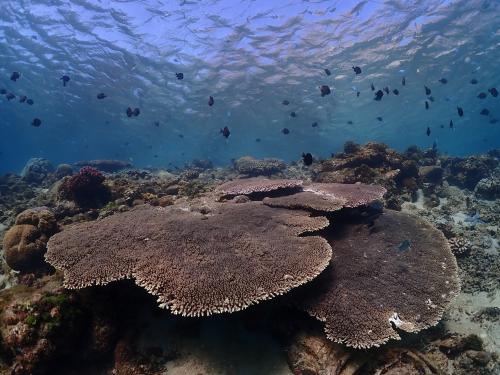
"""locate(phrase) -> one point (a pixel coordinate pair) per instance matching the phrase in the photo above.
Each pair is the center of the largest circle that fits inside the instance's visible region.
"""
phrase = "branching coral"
(85, 188)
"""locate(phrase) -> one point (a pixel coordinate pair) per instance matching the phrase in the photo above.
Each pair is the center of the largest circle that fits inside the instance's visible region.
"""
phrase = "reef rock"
(36, 170)
(373, 163)
(432, 174)
(468, 172)
(249, 166)
(488, 188)
(105, 165)
(63, 170)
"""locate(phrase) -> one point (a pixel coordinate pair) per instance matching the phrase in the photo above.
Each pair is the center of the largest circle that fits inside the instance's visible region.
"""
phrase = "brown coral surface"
(395, 272)
(246, 186)
(329, 197)
(196, 264)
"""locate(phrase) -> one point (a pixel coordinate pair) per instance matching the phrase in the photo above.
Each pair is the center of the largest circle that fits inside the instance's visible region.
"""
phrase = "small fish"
(460, 111)
(473, 81)
(136, 112)
(427, 91)
(482, 95)
(380, 118)
(285, 131)
(373, 87)
(451, 124)
(356, 69)
(485, 112)
(182, 135)
(211, 101)
(493, 91)
(30, 101)
(444, 81)
(403, 81)
(378, 95)
(10, 96)
(404, 246)
(426, 104)
(358, 94)
(22, 98)
(179, 76)
(257, 139)
(428, 132)
(101, 95)
(3, 91)
(395, 92)
(350, 122)
(225, 132)
(285, 102)
(65, 80)
(325, 90)
(493, 121)
(314, 124)
(307, 158)
(15, 76)
(327, 72)
(386, 89)
(130, 112)
(36, 122)
(293, 114)
(431, 98)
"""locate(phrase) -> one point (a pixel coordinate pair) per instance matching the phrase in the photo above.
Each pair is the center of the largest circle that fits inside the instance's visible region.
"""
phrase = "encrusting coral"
(196, 264)
(395, 271)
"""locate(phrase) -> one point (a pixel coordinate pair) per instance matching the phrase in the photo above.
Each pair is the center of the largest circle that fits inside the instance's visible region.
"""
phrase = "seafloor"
(119, 329)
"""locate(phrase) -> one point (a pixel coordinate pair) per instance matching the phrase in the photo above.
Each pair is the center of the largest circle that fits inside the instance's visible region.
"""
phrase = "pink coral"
(85, 188)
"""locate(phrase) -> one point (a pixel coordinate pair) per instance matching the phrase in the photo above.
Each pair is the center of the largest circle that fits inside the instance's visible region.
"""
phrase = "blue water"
(250, 56)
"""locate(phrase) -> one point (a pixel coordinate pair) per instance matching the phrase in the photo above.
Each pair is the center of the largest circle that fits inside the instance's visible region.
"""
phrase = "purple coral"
(86, 188)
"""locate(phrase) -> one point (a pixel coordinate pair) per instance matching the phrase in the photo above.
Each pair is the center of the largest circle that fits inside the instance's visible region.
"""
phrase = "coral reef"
(36, 170)
(25, 243)
(85, 188)
(111, 335)
(249, 166)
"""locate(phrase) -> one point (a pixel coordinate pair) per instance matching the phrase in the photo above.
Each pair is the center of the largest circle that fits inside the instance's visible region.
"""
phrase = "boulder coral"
(25, 243)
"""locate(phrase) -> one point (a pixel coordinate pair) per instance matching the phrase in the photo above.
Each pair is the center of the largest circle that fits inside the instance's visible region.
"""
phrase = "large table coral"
(196, 264)
(394, 272)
